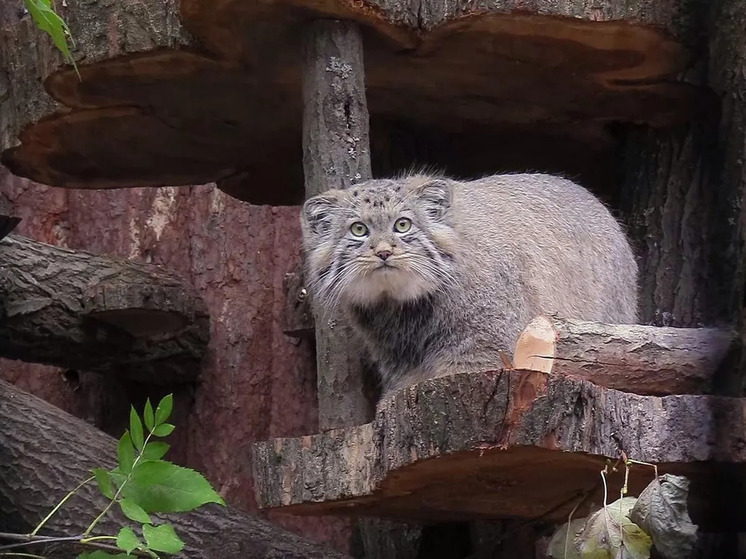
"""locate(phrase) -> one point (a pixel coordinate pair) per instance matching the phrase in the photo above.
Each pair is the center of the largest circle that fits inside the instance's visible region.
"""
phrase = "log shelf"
(524, 443)
(69, 308)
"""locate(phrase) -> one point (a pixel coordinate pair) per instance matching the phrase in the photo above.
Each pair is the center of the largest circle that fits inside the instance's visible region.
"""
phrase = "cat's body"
(438, 276)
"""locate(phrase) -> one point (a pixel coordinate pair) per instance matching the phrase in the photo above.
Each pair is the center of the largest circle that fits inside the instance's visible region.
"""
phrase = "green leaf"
(163, 430)
(163, 412)
(136, 432)
(562, 544)
(162, 538)
(117, 477)
(609, 533)
(155, 451)
(105, 484)
(125, 453)
(133, 511)
(51, 23)
(165, 487)
(148, 415)
(127, 539)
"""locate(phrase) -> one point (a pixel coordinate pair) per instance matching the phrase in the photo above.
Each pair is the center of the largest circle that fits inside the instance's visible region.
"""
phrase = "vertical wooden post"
(336, 154)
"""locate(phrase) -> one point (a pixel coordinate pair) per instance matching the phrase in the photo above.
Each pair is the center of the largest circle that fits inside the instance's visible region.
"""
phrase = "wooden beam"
(628, 357)
(336, 154)
(47, 452)
(506, 444)
(81, 311)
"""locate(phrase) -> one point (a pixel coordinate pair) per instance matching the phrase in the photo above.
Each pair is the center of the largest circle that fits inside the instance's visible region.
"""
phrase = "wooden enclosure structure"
(639, 101)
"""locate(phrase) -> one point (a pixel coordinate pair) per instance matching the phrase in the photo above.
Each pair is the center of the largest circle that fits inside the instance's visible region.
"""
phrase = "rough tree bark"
(335, 155)
(628, 357)
(45, 452)
(682, 195)
(503, 444)
(80, 311)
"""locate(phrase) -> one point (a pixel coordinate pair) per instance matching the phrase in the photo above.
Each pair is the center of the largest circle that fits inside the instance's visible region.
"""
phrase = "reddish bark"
(257, 384)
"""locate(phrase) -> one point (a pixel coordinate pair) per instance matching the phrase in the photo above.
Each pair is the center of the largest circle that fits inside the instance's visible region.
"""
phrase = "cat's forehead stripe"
(375, 194)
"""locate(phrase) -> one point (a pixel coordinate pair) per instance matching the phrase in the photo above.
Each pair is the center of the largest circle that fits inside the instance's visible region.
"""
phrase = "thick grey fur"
(481, 259)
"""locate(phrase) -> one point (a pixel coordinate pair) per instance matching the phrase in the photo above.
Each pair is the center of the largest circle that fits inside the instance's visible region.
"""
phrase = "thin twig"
(24, 540)
(62, 502)
(119, 490)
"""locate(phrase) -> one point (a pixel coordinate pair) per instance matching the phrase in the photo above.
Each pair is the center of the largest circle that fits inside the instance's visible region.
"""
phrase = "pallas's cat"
(437, 276)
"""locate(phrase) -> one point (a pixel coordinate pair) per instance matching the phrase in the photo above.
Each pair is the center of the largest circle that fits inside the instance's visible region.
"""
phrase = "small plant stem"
(21, 554)
(23, 540)
(119, 490)
(97, 538)
(59, 505)
(569, 520)
(639, 463)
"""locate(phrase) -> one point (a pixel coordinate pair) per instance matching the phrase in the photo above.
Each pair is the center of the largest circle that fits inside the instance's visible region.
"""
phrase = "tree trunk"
(336, 155)
(628, 357)
(45, 452)
(86, 312)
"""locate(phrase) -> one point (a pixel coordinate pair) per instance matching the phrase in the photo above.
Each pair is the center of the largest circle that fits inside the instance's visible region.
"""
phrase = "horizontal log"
(628, 357)
(76, 310)
(505, 444)
(46, 453)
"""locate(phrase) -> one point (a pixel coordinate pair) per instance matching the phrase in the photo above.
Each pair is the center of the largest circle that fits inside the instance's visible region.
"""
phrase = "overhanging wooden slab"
(502, 444)
(219, 107)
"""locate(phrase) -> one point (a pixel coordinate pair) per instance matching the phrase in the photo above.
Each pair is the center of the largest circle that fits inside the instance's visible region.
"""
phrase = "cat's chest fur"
(403, 336)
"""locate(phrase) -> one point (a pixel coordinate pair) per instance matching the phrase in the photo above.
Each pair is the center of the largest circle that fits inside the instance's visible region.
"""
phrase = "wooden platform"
(505, 444)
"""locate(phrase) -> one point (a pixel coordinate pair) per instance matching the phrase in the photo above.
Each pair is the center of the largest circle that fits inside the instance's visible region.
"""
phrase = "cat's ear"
(434, 198)
(318, 213)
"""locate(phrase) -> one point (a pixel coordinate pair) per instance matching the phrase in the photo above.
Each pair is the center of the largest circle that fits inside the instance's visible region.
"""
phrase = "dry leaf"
(661, 511)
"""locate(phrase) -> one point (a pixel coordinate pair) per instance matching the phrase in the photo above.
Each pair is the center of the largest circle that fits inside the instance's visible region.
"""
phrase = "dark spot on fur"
(355, 193)
(387, 199)
(367, 200)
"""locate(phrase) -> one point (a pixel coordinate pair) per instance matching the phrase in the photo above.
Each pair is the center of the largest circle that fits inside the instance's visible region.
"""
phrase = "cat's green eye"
(359, 229)
(403, 225)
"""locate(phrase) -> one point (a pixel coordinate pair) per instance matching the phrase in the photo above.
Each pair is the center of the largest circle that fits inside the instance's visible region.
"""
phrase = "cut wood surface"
(244, 107)
(44, 453)
(505, 444)
(627, 357)
(80, 311)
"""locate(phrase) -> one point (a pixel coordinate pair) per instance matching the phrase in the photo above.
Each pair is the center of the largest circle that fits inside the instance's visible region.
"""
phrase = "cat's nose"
(383, 254)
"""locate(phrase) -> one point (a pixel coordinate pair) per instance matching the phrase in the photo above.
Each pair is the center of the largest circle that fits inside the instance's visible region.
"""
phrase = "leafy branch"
(630, 526)
(48, 20)
(142, 484)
